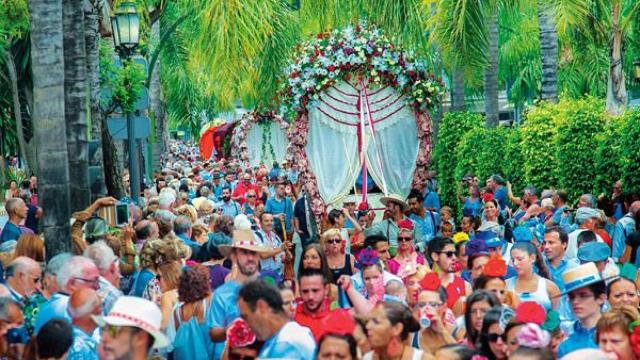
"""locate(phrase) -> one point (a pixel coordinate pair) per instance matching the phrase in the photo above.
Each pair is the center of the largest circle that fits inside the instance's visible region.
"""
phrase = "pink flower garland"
(239, 146)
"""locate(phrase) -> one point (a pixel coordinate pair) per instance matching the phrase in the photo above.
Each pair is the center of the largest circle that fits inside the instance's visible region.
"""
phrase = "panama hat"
(581, 276)
(243, 239)
(136, 312)
(395, 199)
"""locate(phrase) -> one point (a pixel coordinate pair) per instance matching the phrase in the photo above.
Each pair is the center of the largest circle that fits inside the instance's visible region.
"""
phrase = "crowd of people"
(221, 261)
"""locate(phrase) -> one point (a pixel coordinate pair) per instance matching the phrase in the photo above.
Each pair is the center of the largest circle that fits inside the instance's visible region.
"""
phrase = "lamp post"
(126, 36)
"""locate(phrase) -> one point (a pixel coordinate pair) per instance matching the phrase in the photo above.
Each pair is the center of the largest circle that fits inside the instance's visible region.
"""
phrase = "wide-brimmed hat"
(136, 312)
(395, 199)
(243, 239)
(593, 251)
(581, 276)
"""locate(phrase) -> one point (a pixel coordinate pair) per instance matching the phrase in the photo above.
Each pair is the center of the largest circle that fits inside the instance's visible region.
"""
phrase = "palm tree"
(49, 121)
(548, 52)
(75, 87)
(491, 103)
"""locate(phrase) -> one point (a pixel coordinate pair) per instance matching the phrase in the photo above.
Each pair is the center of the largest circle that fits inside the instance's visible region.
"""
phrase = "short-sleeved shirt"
(300, 213)
(282, 206)
(224, 309)
(501, 196)
(232, 208)
(292, 341)
(108, 294)
(84, 347)
(10, 232)
(271, 241)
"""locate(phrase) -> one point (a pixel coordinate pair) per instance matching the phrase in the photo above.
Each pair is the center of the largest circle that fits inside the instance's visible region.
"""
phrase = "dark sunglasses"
(493, 337)
(449, 254)
(404, 238)
(251, 196)
(334, 241)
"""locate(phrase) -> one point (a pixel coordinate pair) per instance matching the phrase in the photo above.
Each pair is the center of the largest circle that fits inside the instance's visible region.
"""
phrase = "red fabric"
(605, 237)
(241, 189)
(314, 320)
(206, 143)
(455, 290)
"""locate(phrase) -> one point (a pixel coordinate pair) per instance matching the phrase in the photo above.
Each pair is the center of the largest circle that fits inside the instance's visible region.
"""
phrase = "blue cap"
(490, 238)
(593, 251)
(475, 247)
(522, 234)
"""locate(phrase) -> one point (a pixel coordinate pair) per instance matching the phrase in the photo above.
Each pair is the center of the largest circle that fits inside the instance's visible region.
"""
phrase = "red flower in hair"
(405, 224)
(430, 282)
(239, 334)
(495, 267)
(363, 206)
(530, 312)
(634, 337)
(338, 322)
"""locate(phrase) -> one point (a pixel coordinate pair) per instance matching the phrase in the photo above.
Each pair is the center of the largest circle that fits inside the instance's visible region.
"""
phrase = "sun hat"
(594, 251)
(395, 199)
(136, 312)
(243, 239)
(581, 276)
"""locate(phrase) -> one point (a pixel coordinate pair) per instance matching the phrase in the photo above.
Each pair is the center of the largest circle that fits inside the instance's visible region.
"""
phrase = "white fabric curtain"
(332, 146)
(254, 143)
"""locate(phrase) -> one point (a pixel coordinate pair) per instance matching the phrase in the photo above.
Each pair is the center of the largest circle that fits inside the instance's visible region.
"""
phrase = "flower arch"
(356, 72)
(240, 147)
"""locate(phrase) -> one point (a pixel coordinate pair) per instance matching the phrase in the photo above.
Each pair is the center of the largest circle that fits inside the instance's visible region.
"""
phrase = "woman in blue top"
(472, 203)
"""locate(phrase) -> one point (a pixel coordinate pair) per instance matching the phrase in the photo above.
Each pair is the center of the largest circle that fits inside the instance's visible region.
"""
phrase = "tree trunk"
(49, 122)
(457, 91)
(92, 13)
(17, 110)
(75, 94)
(491, 104)
(112, 167)
(616, 88)
(548, 53)
(155, 101)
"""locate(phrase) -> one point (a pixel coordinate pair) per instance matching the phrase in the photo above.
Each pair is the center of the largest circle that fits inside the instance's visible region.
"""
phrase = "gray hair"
(101, 254)
(530, 190)
(591, 199)
(11, 205)
(21, 265)
(164, 216)
(55, 264)
(73, 268)
(182, 224)
(204, 191)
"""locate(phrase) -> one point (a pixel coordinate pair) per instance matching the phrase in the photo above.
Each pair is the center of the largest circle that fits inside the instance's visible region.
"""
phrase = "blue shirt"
(232, 208)
(195, 247)
(472, 208)
(560, 219)
(292, 341)
(141, 280)
(426, 227)
(10, 232)
(56, 307)
(283, 206)
(580, 339)
(432, 201)
(501, 196)
(224, 309)
(564, 307)
(84, 347)
(108, 293)
(624, 227)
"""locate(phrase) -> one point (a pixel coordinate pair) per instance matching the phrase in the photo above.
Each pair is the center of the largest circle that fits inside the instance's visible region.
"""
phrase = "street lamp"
(126, 37)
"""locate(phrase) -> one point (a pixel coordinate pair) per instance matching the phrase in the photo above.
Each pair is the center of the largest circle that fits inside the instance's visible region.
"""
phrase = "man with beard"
(244, 253)
(228, 206)
(393, 214)
(316, 305)
(444, 257)
(427, 221)
(261, 307)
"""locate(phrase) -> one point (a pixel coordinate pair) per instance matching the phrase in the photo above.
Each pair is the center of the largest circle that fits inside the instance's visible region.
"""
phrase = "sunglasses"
(251, 196)
(240, 357)
(449, 254)
(114, 331)
(334, 241)
(493, 337)
(404, 238)
(433, 304)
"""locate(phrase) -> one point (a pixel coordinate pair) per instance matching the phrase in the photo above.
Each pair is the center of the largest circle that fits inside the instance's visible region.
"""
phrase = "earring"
(394, 348)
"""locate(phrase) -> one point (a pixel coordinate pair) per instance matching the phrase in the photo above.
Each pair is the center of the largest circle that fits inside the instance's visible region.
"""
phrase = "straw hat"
(137, 312)
(581, 276)
(243, 239)
(394, 198)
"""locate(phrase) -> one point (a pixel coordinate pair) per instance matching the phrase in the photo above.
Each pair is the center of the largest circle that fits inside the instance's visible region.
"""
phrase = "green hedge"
(573, 145)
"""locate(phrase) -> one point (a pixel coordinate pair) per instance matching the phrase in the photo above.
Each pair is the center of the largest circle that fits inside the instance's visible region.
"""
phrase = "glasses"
(158, 277)
(251, 196)
(94, 282)
(404, 238)
(449, 254)
(493, 337)
(113, 330)
(36, 279)
(334, 241)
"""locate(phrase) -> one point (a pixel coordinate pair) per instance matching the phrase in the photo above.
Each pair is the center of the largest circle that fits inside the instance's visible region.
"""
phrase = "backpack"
(191, 337)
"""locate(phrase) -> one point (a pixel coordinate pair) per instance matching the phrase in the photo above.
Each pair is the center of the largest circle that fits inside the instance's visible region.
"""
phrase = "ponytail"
(530, 249)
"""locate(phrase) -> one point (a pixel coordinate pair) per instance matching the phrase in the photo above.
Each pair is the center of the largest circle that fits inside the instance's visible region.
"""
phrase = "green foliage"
(453, 127)
(579, 122)
(631, 151)
(126, 82)
(513, 159)
(609, 154)
(538, 145)
(14, 19)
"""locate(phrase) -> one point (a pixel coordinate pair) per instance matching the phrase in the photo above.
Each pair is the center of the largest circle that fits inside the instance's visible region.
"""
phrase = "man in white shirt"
(586, 219)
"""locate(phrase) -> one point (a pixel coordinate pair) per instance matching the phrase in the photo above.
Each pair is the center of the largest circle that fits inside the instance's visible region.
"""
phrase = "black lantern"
(126, 27)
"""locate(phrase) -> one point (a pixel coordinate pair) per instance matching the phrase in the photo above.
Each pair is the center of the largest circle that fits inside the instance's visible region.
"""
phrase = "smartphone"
(122, 214)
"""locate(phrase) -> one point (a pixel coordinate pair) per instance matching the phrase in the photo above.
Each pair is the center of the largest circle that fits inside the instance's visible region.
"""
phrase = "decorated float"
(260, 138)
(360, 106)
(215, 137)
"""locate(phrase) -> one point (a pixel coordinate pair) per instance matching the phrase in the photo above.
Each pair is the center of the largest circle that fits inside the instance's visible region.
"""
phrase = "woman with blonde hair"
(614, 332)
(340, 263)
(168, 278)
(32, 246)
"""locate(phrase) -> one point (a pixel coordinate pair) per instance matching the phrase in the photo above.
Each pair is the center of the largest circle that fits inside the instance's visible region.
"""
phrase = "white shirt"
(293, 341)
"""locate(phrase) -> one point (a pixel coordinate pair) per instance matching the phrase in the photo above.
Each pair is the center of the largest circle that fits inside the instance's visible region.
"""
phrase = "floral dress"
(152, 292)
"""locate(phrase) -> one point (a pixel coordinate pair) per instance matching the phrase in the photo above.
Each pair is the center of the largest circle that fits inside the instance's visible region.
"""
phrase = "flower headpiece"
(239, 334)
(430, 282)
(531, 312)
(552, 321)
(338, 322)
(532, 336)
(476, 246)
(460, 237)
(363, 206)
(495, 267)
(405, 224)
(367, 257)
(407, 269)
